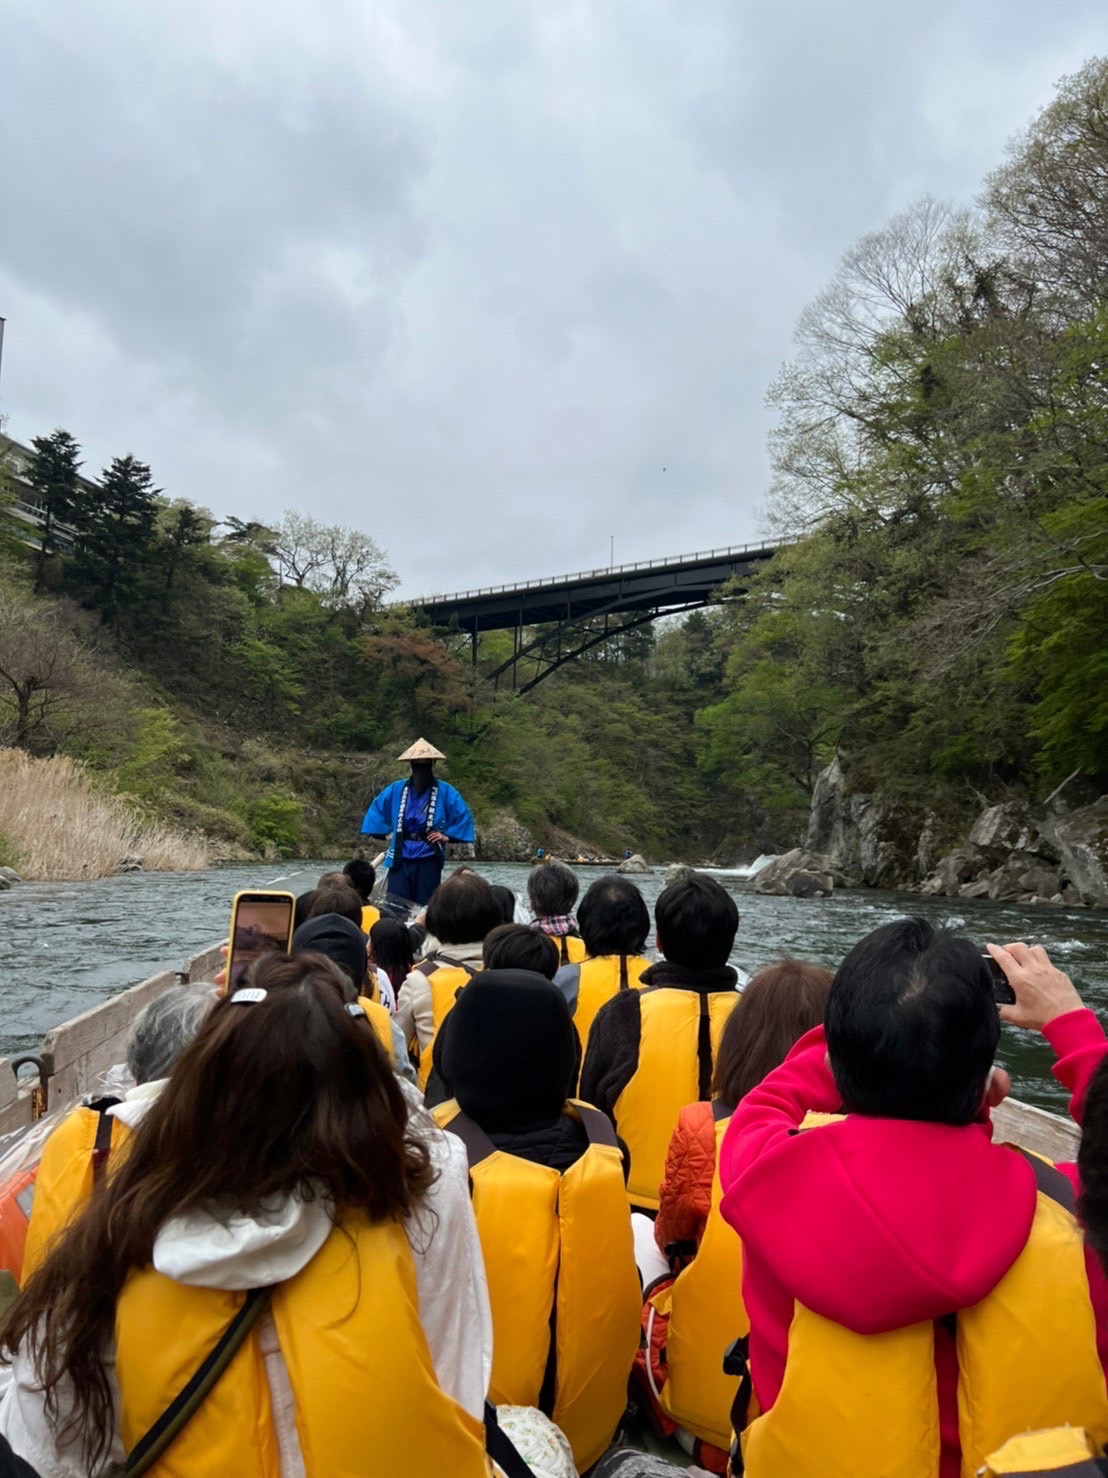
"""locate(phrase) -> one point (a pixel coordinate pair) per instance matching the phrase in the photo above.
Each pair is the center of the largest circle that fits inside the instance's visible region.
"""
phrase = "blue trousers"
(415, 878)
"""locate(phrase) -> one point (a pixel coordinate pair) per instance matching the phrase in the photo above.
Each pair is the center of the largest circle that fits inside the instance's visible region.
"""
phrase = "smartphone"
(261, 923)
(1003, 994)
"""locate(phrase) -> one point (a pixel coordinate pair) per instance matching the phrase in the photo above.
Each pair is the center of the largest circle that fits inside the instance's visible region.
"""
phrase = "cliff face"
(1013, 851)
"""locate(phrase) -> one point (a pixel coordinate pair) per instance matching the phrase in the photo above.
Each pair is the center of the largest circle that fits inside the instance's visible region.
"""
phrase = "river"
(66, 946)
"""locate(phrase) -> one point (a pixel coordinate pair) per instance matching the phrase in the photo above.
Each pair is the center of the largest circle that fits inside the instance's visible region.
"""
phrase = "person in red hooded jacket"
(904, 1212)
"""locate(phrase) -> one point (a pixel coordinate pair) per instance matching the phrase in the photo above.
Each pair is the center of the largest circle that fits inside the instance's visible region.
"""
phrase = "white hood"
(207, 1251)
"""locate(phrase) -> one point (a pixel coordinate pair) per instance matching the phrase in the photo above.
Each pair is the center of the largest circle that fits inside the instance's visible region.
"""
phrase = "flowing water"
(66, 946)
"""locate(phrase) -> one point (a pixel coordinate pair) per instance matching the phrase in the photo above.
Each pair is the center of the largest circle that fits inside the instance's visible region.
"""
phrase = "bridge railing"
(731, 551)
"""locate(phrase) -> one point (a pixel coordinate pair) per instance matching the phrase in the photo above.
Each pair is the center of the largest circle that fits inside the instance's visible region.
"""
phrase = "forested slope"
(939, 617)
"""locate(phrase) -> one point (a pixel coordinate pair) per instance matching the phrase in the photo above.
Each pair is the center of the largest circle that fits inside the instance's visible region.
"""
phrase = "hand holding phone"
(1040, 991)
(1003, 994)
(261, 923)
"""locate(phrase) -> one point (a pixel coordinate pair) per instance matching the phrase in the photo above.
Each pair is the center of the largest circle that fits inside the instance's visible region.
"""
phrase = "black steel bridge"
(555, 620)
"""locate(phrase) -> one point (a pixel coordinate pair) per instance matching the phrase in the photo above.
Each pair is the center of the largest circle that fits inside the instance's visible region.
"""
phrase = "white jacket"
(205, 1252)
(414, 1013)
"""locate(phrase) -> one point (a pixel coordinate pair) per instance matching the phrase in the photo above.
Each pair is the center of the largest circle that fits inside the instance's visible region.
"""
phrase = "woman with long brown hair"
(282, 1155)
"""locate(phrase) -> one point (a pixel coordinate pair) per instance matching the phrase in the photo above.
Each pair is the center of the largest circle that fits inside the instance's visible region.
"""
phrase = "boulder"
(1081, 839)
(676, 872)
(636, 863)
(1004, 886)
(131, 864)
(806, 884)
(504, 839)
(978, 889)
(954, 871)
(10, 875)
(865, 837)
(1041, 881)
(1013, 826)
(4, 884)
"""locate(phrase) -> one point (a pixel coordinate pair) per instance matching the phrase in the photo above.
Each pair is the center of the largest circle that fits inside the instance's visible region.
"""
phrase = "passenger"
(462, 911)
(519, 947)
(507, 900)
(694, 1310)
(332, 898)
(281, 1171)
(898, 1251)
(77, 1153)
(652, 1051)
(548, 1190)
(614, 924)
(1092, 1163)
(303, 903)
(344, 944)
(392, 956)
(552, 890)
(362, 877)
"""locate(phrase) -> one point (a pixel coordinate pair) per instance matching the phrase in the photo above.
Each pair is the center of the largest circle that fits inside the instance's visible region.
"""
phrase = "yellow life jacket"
(677, 1047)
(1058, 1450)
(370, 916)
(706, 1313)
(72, 1159)
(381, 1022)
(1026, 1353)
(601, 977)
(368, 1404)
(571, 949)
(564, 1289)
(445, 982)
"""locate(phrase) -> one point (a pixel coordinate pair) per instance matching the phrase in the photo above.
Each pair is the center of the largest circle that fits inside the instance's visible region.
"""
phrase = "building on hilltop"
(26, 510)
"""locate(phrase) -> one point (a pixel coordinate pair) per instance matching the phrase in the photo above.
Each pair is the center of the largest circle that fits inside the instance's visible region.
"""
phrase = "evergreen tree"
(116, 526)
(53, 475)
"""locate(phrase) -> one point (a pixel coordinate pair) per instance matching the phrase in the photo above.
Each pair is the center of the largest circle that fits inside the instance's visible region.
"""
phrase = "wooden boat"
(74, 1055)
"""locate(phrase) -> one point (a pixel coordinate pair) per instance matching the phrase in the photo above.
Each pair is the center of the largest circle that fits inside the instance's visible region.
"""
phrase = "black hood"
(338, 939)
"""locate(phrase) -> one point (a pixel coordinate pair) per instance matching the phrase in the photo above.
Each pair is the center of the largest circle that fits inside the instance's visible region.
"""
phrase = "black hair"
(1092, 1164)
(393, 950)
(303, 903)
(613, 918)
(552, 888)
(507, 900)
(362, 875)
(337, 898)
(463, 909)
(519, 947)
(912, 1026)
(697, 921)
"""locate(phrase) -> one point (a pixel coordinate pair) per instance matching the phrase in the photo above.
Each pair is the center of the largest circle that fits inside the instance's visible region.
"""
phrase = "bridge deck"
(681, 582)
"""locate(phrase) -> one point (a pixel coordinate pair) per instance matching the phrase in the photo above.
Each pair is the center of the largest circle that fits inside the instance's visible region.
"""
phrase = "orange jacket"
(686, 1192)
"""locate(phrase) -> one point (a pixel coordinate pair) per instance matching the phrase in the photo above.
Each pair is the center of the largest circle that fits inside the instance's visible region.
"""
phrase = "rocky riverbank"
(1014, 851)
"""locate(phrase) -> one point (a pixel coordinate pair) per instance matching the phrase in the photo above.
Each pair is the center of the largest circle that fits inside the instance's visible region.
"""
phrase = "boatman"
(418, 817)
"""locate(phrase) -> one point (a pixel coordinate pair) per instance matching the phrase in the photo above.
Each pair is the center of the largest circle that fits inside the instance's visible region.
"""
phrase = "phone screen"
(259, 926)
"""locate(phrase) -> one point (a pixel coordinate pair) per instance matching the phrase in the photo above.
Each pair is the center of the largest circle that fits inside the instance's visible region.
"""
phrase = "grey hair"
(164, 1029)
(552, 888)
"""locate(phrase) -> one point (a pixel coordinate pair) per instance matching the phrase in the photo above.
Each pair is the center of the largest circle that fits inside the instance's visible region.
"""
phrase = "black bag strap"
(102, 1143)
(502, 1449)
(184, 1406)
(736, 1361)
(704, 1049)
(624, 981)
(1050, 1180)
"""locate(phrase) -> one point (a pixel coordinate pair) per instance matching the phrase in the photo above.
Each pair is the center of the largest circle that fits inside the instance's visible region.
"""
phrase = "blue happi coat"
(450, 815)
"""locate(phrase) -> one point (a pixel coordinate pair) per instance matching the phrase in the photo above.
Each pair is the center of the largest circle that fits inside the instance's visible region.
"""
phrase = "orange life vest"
(72, 1159)
(677, 1046)
(600, 978)
(445, 981)
(563, 1286)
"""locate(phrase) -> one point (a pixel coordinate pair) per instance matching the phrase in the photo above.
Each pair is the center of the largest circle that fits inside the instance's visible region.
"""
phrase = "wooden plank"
(1036, 1129)
(80, 1050)
(203, 966)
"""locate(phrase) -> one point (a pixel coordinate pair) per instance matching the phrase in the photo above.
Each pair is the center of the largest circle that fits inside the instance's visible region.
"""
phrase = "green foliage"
(276, 820)
(9, 853)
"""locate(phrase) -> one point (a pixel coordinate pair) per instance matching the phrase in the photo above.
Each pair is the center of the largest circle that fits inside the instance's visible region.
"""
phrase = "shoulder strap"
(177, 1415)
(624, 983)
(1050, 1180)
(478, 1145)
(102, 1143)
(721, 1110)
(502, 1449)
(704, 1049)
(596, 1124)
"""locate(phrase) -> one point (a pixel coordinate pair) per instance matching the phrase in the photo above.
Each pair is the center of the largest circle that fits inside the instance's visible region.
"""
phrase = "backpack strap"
(1050, 1180)
(624, 982)
(704, 1049)
(184, 1406)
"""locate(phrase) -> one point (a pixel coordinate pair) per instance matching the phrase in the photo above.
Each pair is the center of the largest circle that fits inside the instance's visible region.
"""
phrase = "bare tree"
(44, 670)
(343, 566)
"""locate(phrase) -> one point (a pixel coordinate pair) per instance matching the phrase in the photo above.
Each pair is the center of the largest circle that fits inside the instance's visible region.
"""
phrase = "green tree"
(116, 524)
(53, 477)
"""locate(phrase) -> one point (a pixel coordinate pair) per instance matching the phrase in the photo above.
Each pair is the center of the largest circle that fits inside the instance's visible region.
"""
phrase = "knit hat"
(509, 1052)
(340, 940)
(421, 750)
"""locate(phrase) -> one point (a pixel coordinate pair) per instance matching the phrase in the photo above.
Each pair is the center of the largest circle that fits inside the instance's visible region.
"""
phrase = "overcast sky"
(491, 281)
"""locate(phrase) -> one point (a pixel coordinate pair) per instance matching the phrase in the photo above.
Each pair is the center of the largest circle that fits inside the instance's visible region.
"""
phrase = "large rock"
(800, 874)
(636, 863)
(866, 838)
(1013, 826)
(504, 839)
(677, 872)
(807, 884)
(954, 872)
(10, 875)
(4, 884)
(1081, 839)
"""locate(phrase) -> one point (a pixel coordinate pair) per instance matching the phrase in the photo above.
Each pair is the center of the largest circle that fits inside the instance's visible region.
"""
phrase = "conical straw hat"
(421, 750)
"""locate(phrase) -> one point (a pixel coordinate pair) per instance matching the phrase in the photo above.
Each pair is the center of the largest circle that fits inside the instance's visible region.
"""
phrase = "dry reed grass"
(63, 828)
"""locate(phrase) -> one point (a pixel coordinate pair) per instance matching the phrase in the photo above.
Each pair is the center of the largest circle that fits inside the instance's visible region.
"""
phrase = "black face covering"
(423, 772)
(510, 1053)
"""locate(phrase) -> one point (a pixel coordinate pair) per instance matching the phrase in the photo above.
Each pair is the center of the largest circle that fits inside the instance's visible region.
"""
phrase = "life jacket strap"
(102, 1144)
(502, 1449)
(624, 982)
(1050, 1180)
(704, 1050)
